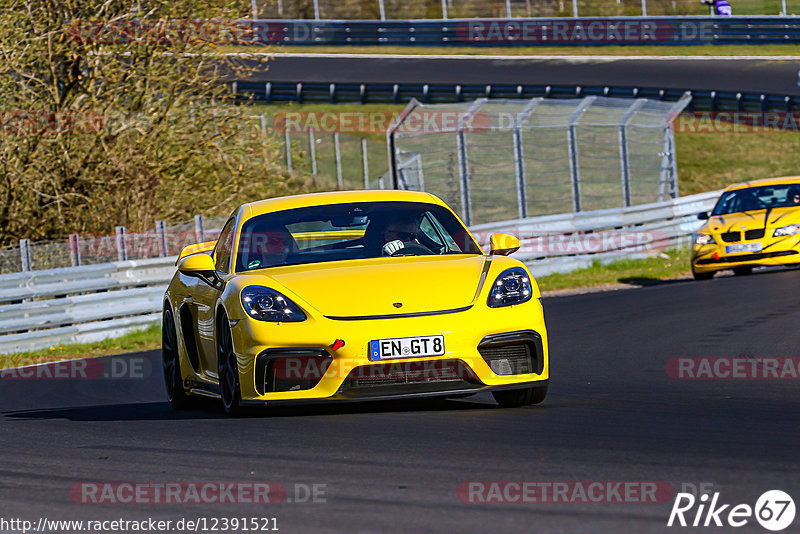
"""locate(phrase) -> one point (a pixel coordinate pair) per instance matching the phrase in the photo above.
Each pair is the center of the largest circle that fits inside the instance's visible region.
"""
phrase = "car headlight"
(704, 239)
(783, 231)
(265, 304)
(513, 286)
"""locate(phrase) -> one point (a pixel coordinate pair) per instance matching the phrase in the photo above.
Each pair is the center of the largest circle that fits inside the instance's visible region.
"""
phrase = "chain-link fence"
(494, 160)
(491, 160)
(453, 9)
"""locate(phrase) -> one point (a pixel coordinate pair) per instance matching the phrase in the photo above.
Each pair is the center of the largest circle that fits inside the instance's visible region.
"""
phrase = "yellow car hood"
(375, 287)
(751, 220)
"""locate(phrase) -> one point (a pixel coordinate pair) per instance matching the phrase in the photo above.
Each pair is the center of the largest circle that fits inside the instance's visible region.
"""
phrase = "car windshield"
(758, 198)
(358, 230)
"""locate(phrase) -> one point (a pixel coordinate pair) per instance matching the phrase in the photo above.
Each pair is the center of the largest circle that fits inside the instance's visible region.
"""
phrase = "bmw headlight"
(513, 286)
(704, 239)
(265, 304)
(783, 231)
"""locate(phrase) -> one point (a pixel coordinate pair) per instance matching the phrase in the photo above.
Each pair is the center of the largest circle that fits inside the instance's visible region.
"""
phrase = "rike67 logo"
(774, 510)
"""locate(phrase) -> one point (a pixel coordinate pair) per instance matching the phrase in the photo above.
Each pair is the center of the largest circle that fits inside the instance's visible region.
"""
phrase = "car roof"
(336, 197)
(766, 181)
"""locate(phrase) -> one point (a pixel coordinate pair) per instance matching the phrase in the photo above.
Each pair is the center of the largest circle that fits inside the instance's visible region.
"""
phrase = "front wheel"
(229, 388)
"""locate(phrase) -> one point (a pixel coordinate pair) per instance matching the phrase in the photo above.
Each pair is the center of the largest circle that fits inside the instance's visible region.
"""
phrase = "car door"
(206, 294)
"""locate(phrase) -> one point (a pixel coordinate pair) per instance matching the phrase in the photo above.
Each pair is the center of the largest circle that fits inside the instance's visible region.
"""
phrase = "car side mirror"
(703, 215)
(503, 244)
(196, 264)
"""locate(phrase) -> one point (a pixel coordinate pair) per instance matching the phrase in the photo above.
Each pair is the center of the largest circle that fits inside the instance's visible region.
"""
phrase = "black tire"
(742, 271)
(171, 364)
(539, 393)
(702, 276)
(229, 388)
(513, 398)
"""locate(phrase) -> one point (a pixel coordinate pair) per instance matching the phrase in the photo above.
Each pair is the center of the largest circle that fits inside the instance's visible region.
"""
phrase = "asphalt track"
(758, 75)
(613, 414)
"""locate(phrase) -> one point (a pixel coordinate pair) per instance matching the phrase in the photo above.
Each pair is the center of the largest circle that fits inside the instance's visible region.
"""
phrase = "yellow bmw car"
(753, 223)
(351, 296)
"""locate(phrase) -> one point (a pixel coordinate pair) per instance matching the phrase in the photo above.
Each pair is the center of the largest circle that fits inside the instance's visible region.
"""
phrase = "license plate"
(406, 347)
(744, 247)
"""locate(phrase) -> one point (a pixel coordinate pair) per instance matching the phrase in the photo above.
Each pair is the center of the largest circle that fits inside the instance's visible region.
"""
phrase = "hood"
(752, 220)
(372, 287)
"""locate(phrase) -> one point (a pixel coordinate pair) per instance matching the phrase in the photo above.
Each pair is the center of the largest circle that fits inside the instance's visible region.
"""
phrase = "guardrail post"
(382, 9)
(312, 143)
(25, 254)
(338, 155)
(199, 228)
(444, 9)
(316, 9)
(365, 161)
(122, 249)
(161, 238)
(644, 8)
(574, 162)
(75, 249)
(575, 8)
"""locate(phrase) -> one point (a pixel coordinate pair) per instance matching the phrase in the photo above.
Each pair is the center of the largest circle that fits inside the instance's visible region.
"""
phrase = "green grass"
(670, 265)
(145, 339)
(633, 50)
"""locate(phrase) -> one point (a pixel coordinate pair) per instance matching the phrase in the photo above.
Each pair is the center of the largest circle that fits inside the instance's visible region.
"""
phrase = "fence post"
(644, 8)
(122, 250)
(316, 9)
(391, 146)
(263, 121)
(673, 166)
(338, 155)
(288, 150)
(161, 238)
(574, 163)
(519, 156)
(444, 9)
(75, 249)
(624, 159)
(199, 228)
(313, 145)
(463, 161)
(508, 9)
(365, 161)
(254, 8)
(575, 8)
(382, 9)
(25, 254)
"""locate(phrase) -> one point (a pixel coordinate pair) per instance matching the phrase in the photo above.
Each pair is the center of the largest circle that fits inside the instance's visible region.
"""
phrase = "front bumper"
(775, 251)
(349, 374)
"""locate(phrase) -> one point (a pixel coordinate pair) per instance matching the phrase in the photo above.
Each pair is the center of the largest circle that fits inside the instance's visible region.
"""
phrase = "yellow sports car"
(351, 296)
(753, 223)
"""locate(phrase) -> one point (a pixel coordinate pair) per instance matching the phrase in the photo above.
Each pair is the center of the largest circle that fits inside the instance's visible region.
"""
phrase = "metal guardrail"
(39, 309)
(562, 31)
(402, 93)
